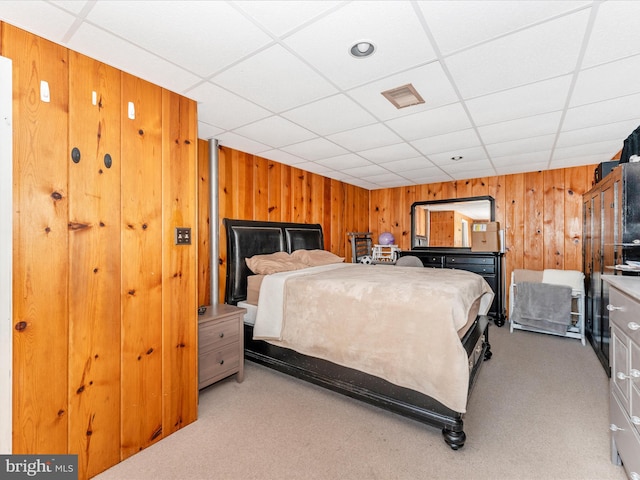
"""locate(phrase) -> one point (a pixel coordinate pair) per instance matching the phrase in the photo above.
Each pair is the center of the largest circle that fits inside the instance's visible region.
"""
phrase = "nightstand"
(220, 344)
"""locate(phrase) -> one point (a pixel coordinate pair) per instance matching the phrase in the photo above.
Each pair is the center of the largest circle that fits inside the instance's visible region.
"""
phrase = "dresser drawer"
(436, 261)
(620, 365)
(217, 364)
(472, 264)
(625, 437)
(624, 314)
(215, 335)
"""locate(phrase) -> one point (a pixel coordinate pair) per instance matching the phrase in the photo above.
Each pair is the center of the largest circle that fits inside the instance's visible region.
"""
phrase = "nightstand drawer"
(219, 363)
(217, 334)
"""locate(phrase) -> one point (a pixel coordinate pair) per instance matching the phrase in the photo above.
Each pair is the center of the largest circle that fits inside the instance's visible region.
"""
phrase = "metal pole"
(214, 222)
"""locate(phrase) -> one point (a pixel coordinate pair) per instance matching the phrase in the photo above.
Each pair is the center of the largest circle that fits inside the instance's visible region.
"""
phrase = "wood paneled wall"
(540, 212)
(253, 188)
(104, 303)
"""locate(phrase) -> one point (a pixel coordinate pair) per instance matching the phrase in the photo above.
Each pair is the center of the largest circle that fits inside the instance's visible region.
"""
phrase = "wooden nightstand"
(220, 344)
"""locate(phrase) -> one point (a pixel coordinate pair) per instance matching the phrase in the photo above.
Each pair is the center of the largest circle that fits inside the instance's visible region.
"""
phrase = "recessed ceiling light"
(403, 96)
(362, 49)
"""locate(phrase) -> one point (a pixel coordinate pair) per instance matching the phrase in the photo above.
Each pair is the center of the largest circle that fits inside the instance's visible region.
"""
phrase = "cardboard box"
(485, 237)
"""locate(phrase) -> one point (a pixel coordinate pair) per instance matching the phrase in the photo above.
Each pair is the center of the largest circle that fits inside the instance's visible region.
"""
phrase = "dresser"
(611, 237)
(486, 264)
(624, 396)
(220, 344)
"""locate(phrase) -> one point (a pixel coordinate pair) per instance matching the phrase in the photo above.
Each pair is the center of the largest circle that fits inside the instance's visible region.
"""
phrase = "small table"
(220, 344)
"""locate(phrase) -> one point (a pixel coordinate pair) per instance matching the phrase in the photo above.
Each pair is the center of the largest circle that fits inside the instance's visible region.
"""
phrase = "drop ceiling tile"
(481, 21)
(407, 164)
(73, 6)
(523, 145)
(281, 17)
(100, 45)
(601, 133)
(608, 148)
(315, 149)
(523, 160)
(429, 81)
(161, 27)
(290, 84)
(579, 161)
(283, 157)
(537, 53)
(614, 34)
(428, 175)
(600, 113)
(389, 153)
(343, 177)
(376, 21)
(207, 132)
(225, 109)
(386, 179)
(313, 167)
(469, 155)
(320, 116)
(608, 81)
(340, 162)
(526, 101)
(472, 168)
(365, 171)
(365, 138)
(275, 131)
(449, 142)
(364, 184)
(431, 122)
(243, 144)
(520, 128)
(35, 16)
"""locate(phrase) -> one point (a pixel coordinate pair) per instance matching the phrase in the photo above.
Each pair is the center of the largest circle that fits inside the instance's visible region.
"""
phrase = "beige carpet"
(538, 411)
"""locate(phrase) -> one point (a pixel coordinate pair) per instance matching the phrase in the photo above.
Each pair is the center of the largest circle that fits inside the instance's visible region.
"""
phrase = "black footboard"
(375, 390)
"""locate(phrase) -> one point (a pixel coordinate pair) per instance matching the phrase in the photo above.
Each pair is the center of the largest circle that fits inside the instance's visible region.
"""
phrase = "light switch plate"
(183, 236)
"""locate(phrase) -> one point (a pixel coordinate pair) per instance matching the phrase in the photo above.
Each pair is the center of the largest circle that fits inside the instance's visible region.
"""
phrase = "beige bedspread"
(397, 323)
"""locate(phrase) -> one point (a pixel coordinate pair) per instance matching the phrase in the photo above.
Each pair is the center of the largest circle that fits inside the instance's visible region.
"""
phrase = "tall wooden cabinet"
(611, 229)
(104, 303)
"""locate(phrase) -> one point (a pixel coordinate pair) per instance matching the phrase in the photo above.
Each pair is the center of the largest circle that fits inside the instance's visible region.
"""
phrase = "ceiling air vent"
(403, 96)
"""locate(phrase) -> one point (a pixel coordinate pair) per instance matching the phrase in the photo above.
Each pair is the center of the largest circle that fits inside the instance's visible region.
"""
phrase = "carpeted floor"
(538, 411)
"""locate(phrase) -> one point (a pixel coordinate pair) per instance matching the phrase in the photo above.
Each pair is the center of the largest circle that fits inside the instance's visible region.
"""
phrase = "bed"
(246, 239)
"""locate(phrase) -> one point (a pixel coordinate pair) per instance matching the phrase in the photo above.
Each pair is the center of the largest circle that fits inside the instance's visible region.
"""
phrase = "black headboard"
(246, 238)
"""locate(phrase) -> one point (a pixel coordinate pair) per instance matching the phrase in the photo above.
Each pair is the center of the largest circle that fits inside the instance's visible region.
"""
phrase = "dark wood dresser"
(487, 264)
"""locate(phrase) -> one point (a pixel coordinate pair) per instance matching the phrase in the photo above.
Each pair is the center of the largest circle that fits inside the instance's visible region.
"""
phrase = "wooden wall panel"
(540, 212)
(94, 263)
(204, 227)
(142, 277)
(91, 261)
(553, 219)
(533, 221)
(40, 243)
(179, 295)
(253, 188)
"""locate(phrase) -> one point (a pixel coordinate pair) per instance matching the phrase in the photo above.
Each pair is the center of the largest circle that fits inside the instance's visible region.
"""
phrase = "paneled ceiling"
(509, 86)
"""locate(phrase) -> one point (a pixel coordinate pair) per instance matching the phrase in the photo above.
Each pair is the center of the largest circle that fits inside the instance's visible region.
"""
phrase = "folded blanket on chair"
(543, 306)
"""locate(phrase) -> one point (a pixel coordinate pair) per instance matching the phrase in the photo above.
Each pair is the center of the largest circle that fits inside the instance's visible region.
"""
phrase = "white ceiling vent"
(403, 96)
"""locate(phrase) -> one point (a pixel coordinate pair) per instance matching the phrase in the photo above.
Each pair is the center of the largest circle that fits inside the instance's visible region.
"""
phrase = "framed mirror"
(448, 223)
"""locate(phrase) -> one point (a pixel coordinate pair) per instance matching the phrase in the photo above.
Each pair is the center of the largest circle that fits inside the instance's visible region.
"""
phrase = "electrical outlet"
(183, 236)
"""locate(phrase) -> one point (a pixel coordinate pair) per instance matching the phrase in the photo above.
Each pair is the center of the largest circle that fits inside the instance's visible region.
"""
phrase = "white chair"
(572, 278)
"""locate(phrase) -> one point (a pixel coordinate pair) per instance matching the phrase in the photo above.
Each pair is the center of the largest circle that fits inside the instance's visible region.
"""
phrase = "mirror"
(448, 223)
